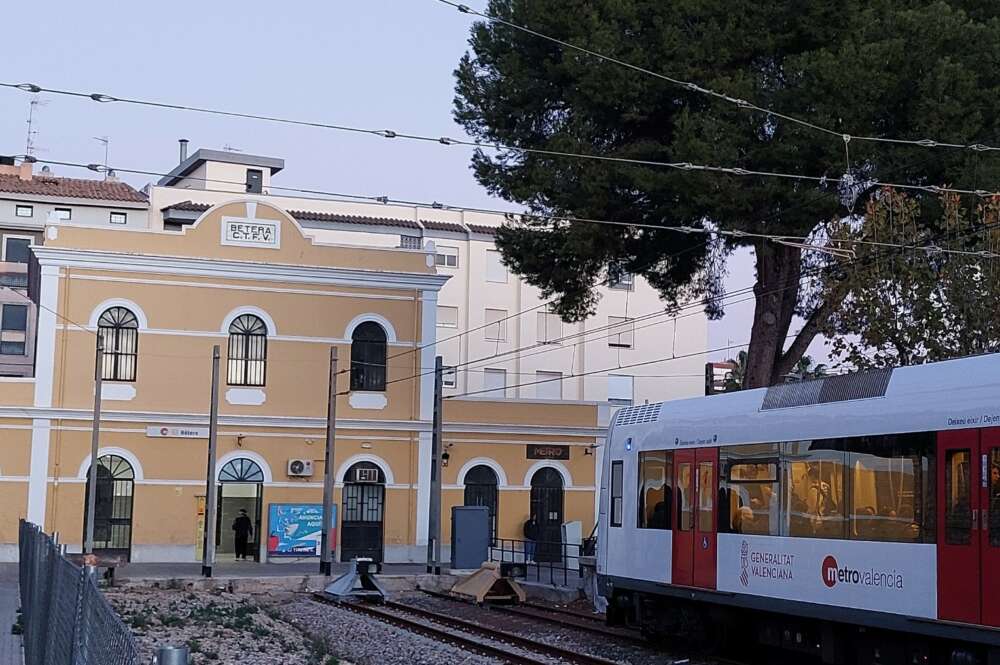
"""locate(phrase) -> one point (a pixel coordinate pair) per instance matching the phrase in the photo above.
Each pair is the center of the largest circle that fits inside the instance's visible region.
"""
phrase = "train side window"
(749, 494)
(994, 507)
(685, 498)
(892, 487)
(616, 493)
(815, 478)
(656, 493)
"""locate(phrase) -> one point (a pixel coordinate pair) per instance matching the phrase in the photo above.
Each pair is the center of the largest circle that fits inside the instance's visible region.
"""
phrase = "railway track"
(469, 634)
(559, 617)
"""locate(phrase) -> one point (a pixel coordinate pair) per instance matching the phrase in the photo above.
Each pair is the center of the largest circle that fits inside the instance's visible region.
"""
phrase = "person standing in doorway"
(530, 536)
(243, 531)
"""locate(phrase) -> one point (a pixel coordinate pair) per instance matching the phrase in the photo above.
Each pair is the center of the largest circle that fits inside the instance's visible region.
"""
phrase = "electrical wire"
(736, 101)
(447, 141)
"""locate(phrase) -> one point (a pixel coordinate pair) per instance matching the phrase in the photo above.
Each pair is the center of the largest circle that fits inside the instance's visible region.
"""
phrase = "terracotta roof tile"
(310, 216)
(482, 228)
(188, 206)
(435, 225)
(77, 188)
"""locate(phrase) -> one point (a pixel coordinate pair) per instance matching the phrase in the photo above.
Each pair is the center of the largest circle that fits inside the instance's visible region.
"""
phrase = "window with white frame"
(620, 389)
(447, 316)
(409, 242)
(496, 271)
(449, 376)
(24, 211)
(620, 332)
(63, 214)
(14, 324)
(549, 327)
(15, 248)
(494, 382)
(548, 385)
(446, 257)
(496, 325)
(118, 218)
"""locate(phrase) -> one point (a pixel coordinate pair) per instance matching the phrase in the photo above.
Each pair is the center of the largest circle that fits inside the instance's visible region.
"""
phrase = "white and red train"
(855, 518)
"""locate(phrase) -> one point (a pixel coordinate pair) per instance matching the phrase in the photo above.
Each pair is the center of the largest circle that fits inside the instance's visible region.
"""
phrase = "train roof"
(952, 394)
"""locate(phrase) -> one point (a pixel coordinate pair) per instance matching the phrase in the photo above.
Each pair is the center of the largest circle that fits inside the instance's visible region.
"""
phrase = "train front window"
(684, 493)
(958, 497)
(656, 473)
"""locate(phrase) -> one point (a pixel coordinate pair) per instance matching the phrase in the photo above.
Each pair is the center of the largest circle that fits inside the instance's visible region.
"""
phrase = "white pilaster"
(428, 335)
(45, 355)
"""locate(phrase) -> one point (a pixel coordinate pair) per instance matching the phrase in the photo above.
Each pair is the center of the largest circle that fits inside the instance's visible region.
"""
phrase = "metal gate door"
(362, 523)
(113, 507)
(481, 490)
(547, 509)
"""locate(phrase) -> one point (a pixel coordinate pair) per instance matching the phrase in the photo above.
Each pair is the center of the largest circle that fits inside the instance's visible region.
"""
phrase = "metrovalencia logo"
(834, 574)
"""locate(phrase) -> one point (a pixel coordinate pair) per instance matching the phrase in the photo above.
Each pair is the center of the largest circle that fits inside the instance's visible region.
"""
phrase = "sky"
(380, 64)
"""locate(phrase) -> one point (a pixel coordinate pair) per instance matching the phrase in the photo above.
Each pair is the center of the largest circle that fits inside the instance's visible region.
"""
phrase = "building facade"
(516, 348)
(275, 295)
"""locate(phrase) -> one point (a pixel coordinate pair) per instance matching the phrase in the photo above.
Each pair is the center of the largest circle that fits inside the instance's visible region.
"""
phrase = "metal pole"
(325, 557)
(95, 439)
(434, 521)
(211, 489)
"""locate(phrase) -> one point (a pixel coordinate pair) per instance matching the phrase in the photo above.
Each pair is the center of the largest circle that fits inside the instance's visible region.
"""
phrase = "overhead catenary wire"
(449, 141)
(729, 99)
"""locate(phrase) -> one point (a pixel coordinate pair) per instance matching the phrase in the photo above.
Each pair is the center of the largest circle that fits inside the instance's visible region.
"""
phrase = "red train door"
(683, 555)
(696, 483)
(989, 542)
(958, 549)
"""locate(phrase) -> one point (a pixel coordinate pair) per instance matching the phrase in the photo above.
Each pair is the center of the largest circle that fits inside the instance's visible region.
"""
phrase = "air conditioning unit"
(301, 468)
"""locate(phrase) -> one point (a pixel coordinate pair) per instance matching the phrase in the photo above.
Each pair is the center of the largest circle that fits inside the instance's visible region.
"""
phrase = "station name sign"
(547, 451)
(251, 233)
(164, 432)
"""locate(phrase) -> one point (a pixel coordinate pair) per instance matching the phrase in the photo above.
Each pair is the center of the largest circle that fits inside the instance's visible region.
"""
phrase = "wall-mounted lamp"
(239, 440)
(445, 456)
(589, 450)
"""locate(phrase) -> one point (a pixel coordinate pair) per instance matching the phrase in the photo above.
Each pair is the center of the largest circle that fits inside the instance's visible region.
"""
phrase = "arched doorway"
(363, 510)
(241, 483)
(547, 509)
(113, 507)
(481, 490)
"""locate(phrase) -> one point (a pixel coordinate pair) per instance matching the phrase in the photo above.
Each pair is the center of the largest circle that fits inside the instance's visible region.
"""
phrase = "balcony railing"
(14, 275)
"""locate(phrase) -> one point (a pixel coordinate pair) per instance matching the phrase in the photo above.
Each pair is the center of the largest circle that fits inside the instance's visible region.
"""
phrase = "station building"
(245, 275)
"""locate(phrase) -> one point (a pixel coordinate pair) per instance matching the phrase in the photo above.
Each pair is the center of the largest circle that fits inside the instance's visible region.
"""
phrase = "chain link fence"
(67, 620)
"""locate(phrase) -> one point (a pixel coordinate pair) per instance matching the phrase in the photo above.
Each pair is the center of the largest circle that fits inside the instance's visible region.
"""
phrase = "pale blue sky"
(372, 63)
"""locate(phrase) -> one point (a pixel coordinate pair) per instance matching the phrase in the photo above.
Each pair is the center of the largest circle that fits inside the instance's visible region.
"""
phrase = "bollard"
(172, 656)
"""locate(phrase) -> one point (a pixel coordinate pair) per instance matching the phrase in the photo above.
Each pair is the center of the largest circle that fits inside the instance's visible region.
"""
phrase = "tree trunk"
(777, 289)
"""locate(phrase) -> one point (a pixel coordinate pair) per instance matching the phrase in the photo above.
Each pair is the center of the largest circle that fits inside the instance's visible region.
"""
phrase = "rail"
(539, 560)
(66, 619)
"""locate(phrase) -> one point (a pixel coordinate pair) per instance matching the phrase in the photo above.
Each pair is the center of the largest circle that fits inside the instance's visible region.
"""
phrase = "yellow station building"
(248, 278)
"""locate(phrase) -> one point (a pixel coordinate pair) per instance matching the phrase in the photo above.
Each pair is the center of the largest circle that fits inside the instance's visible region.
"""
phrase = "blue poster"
(295, 529)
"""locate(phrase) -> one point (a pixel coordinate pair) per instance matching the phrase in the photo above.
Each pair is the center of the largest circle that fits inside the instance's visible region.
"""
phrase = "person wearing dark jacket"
(530, 536)
(243, 531)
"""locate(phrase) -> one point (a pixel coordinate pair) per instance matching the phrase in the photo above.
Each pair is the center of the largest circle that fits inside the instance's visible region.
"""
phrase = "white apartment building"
(623, 354)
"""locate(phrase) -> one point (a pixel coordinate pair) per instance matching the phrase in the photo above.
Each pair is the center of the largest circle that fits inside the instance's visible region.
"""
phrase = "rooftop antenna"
(29, 146)
(229, 148)
(106, 140)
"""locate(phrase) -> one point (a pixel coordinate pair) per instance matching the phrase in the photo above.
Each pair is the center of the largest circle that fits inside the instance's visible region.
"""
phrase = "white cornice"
(297, 422)
(249, 270)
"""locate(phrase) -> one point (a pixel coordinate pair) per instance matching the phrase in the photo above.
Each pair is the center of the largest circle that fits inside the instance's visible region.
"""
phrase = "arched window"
(119, 331)
(481, 490)
(247, 351)
(241, 470)
(368, 349)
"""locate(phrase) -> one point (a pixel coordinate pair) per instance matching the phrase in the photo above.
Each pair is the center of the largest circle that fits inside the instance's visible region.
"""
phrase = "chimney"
(184, 149)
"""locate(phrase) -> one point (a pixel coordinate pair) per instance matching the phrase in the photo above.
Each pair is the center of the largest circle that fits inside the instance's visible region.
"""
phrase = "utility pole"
(434, 521)
(211, 489)
(326, 556)
(95, 440)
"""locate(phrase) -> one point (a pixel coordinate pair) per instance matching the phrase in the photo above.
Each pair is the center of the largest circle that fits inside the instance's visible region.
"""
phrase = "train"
(849, 519)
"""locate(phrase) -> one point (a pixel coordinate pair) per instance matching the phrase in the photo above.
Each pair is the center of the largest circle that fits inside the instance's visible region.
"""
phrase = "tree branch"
(805, 336)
